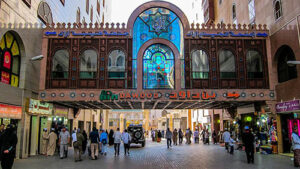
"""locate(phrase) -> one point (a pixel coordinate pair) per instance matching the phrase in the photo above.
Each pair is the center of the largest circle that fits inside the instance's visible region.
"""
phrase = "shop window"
(116, 65)
(200, 65)
(277, 9)
(98, 7)
(254, 64)
(251, 8)
(158, 67)
(10, 60)
(78, 15)
(88, 64)
(60, 64)
(27, 2)
(91, 14)
(285, 72)
(87, 7)
(227, 64)
(44, 13)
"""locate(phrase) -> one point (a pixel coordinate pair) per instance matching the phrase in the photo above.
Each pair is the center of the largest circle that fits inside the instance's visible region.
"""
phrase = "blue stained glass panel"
(159, 68)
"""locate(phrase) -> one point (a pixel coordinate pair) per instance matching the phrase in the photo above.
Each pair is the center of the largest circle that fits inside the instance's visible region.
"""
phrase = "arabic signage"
(8, 111)
(38, 107)
(61, 111)
(195, 34)
(288, 106)
(85, 34)
(172, 95)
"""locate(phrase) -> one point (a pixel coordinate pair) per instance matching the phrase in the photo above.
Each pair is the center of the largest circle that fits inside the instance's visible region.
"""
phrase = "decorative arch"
(161, 4)
(176, 53)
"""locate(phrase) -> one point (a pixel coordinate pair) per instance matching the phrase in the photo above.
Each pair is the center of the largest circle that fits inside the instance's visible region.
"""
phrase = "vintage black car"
(137, 134)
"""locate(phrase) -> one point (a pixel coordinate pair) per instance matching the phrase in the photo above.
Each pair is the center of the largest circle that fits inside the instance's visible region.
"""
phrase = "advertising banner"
(8, 111)
(289, 106)
(38, 107)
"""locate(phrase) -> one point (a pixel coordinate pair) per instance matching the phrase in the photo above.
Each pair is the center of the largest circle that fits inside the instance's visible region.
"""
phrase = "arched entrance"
(285, 72)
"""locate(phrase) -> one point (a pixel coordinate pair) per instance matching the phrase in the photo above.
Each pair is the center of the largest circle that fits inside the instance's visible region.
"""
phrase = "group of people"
(248, 140)
(97, 141)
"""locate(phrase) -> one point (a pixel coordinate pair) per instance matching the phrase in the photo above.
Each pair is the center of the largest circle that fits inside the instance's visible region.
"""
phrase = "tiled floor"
(156, 155)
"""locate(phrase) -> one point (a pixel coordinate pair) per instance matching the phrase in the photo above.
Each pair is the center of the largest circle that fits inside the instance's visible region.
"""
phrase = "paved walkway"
(156, 155)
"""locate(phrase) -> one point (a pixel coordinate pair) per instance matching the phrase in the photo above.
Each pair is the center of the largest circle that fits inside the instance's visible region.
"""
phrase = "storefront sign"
(61, 111)
(288, 106)
(8, 111)
(91, 34)
(38, 107)
(225, 34)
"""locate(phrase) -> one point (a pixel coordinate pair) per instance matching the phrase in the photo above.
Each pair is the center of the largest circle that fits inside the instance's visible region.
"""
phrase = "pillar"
(171, 126)
(190, 118)
(106, 122)
(146, 117)
(279, 134)
(122, 117)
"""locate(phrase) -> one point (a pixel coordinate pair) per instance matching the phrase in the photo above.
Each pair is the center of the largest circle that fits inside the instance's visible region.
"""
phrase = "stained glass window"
(60, 64)
(9, 60)
(156, 23)
(158, 67)
(88, 64)
(116, 64)
(200, 65)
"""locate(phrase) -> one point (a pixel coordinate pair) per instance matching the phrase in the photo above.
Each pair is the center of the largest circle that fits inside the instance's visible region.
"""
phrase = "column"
(146, 117)
(190, 119)
(279, 134)
(106, 120)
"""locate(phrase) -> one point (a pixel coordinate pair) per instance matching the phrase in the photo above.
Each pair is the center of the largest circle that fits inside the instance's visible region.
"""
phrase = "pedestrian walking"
(126, 140)
(226, 138)
(188, 135)
(296, 147)
(214, 137)
(175, 135)
(169, 138)
(231, 144)
(206, 136)
(196, 136)
(78, 139)
(94, 139)
(104, 141)
(248, 140)
(8, 142)
(44, 142)
(64, 140)
(111, 138)
(117, 141)
(52, 137)
(180, 134)
(163, 133)
(84, 143)
(159, 136)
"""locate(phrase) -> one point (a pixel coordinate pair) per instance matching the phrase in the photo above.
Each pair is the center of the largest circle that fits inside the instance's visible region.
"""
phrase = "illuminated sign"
(8, 111)
(172, 95)
(38, 107)
(195, 34)
(91, 34)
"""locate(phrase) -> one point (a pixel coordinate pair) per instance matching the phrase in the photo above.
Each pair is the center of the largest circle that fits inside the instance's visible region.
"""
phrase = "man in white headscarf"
(44, 142)
(52, 143)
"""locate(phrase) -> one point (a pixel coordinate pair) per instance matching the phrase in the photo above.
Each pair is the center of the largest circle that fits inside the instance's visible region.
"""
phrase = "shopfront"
(60, 118)
(39, 112)
(289, 113)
